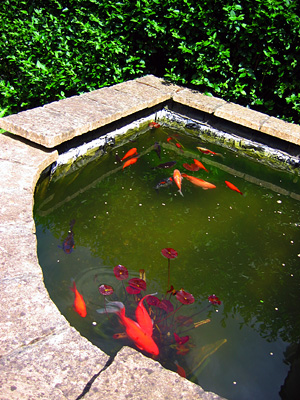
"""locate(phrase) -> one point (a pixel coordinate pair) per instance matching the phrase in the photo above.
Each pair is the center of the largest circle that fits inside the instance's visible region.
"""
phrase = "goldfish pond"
(216, 251)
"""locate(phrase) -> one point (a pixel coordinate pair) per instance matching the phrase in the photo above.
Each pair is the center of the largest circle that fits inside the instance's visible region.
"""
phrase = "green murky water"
(245, 249)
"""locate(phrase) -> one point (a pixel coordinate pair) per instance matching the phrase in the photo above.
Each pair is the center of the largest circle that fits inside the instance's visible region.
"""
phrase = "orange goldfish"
(200, 165)
(143, 317)
(130, 153)
(139, 332)
(232, 187)
(79, 304)
(129, 162)
(199, 182)
(177, 179)
(136, 333)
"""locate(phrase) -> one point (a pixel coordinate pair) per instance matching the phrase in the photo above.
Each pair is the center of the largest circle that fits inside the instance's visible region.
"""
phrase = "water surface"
(243, 248)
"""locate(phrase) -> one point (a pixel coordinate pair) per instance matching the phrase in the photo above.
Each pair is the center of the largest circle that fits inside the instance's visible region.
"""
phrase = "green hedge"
(247, 52)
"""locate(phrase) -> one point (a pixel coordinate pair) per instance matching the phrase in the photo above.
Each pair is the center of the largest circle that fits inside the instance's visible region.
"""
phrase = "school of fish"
(141, 330)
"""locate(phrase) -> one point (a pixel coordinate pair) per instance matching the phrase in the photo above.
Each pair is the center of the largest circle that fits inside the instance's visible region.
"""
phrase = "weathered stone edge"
(63, 120)
(41, 355)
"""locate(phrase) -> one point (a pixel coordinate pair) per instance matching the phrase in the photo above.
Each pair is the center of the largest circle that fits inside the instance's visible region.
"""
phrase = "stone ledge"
(55, 366)
(281, 129)
(199, 101)
(133, 376)
(241, 115)
(62, 120)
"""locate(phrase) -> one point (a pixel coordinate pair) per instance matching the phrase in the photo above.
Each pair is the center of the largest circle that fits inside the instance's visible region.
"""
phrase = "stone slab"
(147, 93)
(60, 121)
(39, 125)
(199, 101)
(53, 367)
(241, 115)
(14, 208)
(27, 312)
(63, 120)
(281, 129)
(134, 376)
(14, 149)
(14, 261)
(123, 104)
(160, 83)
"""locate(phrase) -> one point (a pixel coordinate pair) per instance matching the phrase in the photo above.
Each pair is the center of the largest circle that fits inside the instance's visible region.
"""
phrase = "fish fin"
(111, 307)
(180, 193)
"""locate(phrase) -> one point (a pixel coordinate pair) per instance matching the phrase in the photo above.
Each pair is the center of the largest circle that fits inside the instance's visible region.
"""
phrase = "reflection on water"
(244, 248)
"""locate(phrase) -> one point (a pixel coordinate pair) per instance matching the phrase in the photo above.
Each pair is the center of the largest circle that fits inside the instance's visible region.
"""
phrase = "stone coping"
(63, 120)
(41, 355)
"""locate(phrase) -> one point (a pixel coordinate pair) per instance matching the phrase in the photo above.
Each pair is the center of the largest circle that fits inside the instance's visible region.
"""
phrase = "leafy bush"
(247, 52)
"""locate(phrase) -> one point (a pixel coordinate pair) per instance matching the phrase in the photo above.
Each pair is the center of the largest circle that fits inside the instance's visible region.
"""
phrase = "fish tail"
(180, 192)
(73, 288)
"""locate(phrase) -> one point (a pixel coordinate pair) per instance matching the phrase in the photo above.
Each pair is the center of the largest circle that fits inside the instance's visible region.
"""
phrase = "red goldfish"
(153, 125)
(200, 165)
(199, 182)
(139, 332)
(180, 371)
(129, 162)
(191, 167)
(130, 153)
(177, 179)
(232, 187)
(79, 304)
(207, 151)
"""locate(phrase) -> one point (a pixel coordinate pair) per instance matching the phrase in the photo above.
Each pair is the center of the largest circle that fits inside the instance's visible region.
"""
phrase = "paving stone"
(123, 104)
(241, 115)
(281, 129)
(14, 149)
(18, 255)
(14, 208)
(149, 94)
(54, 366)
(62, 120)
(159, 83)
(40, 125)
(134, 376)
(199, 101)
(27, 312)
(85, 113)
(16, 177)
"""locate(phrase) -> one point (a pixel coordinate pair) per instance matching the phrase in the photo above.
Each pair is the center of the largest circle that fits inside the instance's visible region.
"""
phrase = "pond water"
(242, 248)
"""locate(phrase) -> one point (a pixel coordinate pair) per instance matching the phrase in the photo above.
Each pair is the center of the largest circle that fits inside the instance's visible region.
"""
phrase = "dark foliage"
(243, 51)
